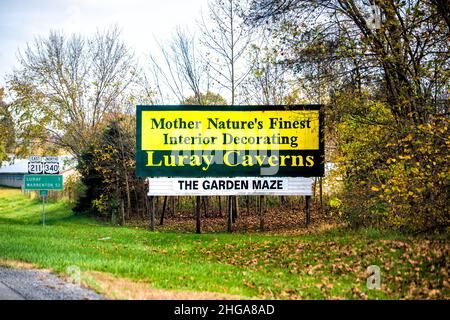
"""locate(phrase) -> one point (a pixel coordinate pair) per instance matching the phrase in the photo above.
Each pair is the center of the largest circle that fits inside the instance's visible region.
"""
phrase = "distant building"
(11, 175)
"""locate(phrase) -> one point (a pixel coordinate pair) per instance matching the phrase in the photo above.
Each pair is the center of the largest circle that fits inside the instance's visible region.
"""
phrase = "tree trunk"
(127, 185)
(173, 206)
(122, 212)
(145, 197)
(247, 204)
(308, 210)
(314, 189)
(205, 205)
(136, 200)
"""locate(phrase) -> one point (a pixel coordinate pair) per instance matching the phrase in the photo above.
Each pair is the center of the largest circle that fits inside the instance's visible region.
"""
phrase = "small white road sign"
(43, 165)
(35, 165)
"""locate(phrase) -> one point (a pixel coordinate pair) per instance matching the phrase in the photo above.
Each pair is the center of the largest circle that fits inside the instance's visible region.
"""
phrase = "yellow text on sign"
(230, 130)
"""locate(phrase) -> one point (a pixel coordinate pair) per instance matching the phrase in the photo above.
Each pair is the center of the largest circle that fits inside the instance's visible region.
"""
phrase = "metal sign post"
(43, 210)
(43, 183)
(43, 194)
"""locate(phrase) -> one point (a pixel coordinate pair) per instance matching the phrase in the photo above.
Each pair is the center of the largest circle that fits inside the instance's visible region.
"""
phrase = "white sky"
(140, 21)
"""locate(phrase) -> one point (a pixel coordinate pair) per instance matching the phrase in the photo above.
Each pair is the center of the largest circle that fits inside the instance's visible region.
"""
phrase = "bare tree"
(71, 83)
(184, 72)
(227, 37)
(181, 69)
(269, 82)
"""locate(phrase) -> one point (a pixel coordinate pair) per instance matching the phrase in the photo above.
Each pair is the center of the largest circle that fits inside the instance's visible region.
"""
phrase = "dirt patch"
(17, 264)
(125, 289)
(283, 221)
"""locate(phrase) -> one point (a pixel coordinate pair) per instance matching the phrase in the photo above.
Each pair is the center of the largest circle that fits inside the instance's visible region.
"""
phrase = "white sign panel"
(50, 159)
(296, 186)
(51, 167)
(35, 159)
(43, 165)
(35, 167)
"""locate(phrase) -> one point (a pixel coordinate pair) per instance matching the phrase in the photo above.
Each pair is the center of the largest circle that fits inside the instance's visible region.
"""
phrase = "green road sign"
(43, 182)
(43, 193)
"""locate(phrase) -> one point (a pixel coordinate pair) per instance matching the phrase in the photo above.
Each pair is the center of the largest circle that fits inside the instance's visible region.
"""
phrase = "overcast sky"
(140, 21)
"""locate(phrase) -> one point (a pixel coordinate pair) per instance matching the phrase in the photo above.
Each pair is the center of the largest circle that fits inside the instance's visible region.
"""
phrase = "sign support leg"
(230, 214)
(308, 210)
(321, 194)
(197, 214)
(152, 214)
(43, 210)
(261, 213)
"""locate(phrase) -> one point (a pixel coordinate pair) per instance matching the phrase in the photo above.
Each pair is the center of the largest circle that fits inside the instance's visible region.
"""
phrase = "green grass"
(330, 264)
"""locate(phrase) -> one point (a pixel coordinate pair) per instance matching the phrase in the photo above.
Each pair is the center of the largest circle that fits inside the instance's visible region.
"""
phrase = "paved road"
(21, 284)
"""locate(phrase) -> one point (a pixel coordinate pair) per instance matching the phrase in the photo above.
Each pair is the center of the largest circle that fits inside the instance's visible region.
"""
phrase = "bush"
(395, 173)
(74, 189)
(107, 169)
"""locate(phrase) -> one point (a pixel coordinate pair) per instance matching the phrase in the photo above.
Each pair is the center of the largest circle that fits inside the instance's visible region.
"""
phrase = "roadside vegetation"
(381, 71)
(131, 262)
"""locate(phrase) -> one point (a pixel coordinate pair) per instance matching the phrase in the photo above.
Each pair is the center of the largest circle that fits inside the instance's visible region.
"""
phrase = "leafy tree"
(387, 77)
(227, 38)
(208, 98)
(7, 132)
(107, 169)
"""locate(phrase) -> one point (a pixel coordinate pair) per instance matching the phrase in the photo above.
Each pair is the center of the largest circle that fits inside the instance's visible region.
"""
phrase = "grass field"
(131, 262)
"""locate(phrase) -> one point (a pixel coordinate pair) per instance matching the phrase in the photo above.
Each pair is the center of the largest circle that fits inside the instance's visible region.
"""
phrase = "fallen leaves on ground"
(416, 269)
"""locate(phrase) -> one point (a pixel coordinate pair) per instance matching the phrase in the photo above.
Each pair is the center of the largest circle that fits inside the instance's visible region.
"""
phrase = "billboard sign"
(229, 141)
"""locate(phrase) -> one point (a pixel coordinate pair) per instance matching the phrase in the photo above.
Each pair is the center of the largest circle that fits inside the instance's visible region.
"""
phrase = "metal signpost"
(43, 176)
(43, 194)
(230, 150)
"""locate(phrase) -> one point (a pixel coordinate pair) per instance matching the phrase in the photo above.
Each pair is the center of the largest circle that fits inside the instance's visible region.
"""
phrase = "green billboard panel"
(43, 182)
(229, 141)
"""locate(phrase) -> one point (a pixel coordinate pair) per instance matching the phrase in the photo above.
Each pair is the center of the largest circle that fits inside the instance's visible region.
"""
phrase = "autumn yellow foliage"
(396, 174)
